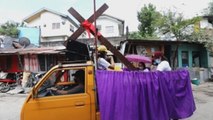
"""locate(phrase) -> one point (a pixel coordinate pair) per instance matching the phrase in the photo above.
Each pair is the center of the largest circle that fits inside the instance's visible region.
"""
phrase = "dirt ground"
(10, 105)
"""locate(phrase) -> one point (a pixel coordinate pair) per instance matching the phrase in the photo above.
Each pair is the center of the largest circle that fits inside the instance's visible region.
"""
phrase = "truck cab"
(44, 103)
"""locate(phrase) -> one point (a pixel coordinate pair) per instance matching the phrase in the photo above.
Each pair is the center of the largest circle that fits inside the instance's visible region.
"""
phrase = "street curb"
(12, 95)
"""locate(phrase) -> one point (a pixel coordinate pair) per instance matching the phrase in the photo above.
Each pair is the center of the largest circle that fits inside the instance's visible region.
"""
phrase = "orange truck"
(68, 92)
(45, 104)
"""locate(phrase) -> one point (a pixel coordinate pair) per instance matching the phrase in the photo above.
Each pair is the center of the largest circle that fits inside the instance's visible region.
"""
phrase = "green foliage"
(172, 25)
(137, 35)
(148, 18)
(175, 26)
(203, 36)
(9, 29)
(209, 11)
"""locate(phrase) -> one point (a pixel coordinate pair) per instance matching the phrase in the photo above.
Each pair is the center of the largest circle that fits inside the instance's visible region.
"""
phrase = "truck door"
(63, 103)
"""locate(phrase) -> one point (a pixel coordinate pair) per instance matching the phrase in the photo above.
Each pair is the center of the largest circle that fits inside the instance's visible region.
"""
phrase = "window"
(195, 59)
(99, 28)
(55, 25)
(109, 29)
(46, 61)
(63, 82)
(185, 58)
(71, 28)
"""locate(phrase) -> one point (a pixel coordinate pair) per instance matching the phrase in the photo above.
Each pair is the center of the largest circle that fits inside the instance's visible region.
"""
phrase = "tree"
(9, 29)
(148, 18)
(174, 27)
(168, 25)
(203, 35)
(209, 11)
(135, 35)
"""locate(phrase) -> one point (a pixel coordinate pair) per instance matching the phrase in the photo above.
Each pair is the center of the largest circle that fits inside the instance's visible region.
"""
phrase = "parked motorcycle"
(9, 83)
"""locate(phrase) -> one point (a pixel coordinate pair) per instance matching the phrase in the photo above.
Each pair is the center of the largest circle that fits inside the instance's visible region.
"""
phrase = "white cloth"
(103, 64)
(3, 75)
(146, 70)
(164, 66)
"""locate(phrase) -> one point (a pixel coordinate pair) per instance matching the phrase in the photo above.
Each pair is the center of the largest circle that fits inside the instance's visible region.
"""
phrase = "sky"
(17, 10)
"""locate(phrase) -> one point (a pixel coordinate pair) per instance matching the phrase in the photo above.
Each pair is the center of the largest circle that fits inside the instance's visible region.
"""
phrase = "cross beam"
(91, 19)
(101, 38)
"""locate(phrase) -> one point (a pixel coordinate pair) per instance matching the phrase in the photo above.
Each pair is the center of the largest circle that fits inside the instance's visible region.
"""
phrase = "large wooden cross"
(87, 25)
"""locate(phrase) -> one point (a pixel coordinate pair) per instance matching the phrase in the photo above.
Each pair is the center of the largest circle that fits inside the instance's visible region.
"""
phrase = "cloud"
(125, 10)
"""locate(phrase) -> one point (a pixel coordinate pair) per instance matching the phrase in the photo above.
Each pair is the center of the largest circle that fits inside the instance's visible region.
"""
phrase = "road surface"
(10, 105)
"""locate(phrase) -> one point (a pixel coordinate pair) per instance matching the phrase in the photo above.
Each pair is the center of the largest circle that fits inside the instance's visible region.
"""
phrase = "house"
(110, 26)
(28, 58)
(191, 55)
(206, 22)
(54, 27)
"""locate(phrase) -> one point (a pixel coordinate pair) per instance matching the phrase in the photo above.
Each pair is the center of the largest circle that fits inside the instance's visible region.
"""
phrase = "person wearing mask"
(161, 61)
(104, 62)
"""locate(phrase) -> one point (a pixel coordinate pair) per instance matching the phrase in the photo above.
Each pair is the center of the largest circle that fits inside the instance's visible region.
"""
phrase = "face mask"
(157, 61)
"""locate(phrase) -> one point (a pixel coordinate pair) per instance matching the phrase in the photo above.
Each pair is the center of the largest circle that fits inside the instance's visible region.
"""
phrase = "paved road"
(203, 95)
(10, 105)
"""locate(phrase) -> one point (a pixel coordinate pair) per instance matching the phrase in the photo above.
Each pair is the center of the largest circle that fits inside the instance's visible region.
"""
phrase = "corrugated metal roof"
(42, 50)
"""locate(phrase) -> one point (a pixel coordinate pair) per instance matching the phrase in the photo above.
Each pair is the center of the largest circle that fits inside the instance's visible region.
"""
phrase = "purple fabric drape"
(134, 95)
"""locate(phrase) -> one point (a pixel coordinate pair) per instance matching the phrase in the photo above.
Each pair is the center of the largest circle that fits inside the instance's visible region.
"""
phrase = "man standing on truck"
(103, 64)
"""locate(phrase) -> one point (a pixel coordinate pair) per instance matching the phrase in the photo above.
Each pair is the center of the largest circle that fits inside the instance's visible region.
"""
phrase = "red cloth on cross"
(89, 27)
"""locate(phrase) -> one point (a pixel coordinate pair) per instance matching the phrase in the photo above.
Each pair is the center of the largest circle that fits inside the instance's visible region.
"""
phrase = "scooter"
(8, 83)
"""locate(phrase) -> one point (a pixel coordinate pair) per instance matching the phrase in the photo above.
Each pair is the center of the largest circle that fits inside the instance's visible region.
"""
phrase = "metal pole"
(95, 37)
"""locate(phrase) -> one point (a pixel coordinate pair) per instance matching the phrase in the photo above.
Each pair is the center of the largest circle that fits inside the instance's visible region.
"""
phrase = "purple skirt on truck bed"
(134, 95)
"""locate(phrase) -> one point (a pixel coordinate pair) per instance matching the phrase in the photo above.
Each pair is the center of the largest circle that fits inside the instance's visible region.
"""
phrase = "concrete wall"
(106, 25)
(201, 74)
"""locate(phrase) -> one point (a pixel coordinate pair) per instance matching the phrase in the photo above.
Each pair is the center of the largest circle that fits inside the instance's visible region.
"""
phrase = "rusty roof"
(41, 50)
